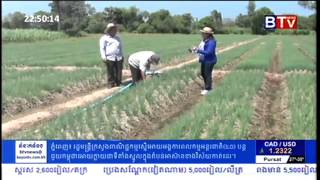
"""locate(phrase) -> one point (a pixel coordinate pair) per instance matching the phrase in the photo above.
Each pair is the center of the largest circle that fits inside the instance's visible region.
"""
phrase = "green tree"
(16, 20)
(145, 28)
(312, 5)
(183, 23)
(228, 22)
(73, 16)
(206, 21)
(313, 21)
(131, 19)
(145, 16)
(308, 4)
(251, 8)
(162, 21)
(258, 20)
(217, 20)
(56, 10)
(243, 21)
(114, 14)
(90, 10)
(304, 23)
(6, 22)
(46, 25)
(96, 23)
(214, 21)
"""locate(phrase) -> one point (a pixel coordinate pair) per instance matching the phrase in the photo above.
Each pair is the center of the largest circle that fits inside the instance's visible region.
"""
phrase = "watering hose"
(107, 98)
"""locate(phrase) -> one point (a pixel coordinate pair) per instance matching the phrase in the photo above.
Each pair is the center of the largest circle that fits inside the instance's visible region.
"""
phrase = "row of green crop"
(308, 43)
(41, 82)
(30, 35)
(226, 58)
(224, 114)
(262, 58)
(302, 105)
(292, 58)
(311, 50)
(85, 51)
(104, 120)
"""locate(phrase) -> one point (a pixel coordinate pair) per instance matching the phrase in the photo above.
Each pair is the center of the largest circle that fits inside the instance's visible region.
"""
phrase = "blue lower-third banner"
(159, 151)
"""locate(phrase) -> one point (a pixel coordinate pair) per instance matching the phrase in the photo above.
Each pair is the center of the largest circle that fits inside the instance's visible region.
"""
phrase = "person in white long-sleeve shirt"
(140, 62)
(112, 55)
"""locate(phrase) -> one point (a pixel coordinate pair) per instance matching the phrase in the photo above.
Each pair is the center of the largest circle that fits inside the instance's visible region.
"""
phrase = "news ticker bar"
(159, 151)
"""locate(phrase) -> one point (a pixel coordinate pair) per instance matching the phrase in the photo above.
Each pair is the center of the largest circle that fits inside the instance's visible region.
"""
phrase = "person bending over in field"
(140, 62)
(207, 57)
(112, 55)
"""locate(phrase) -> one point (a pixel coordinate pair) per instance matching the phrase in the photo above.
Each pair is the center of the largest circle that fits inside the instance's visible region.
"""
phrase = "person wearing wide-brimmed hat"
(139, 63)
(207, 57)
(112, 55)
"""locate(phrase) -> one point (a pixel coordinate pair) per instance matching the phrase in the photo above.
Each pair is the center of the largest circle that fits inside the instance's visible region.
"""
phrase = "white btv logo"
(270, 22)
(280, 22)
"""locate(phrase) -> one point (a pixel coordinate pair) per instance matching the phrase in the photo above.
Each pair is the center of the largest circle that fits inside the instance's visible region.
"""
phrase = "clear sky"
(199, 9)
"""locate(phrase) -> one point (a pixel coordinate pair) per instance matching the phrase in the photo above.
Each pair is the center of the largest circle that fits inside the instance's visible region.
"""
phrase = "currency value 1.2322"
(280, 150)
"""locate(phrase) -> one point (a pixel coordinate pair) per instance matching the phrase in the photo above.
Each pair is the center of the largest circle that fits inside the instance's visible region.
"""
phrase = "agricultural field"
(119, 116)
(302, 97)
(258, 90)
(293, 59)
(308, 43)
(85, 51)
(48, 80)
(30, 35)
(225, 114)
(29, 81)
(261, 59)
(228, 58)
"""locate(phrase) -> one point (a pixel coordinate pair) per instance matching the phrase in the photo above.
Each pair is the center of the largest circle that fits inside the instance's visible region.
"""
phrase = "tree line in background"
(78, 18)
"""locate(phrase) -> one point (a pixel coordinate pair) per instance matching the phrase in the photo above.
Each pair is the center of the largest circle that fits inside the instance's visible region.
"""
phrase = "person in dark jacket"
(207, 57)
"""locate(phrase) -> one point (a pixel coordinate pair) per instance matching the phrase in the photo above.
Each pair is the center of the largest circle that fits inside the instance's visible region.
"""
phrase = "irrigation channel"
(271, 119)
(39, 115)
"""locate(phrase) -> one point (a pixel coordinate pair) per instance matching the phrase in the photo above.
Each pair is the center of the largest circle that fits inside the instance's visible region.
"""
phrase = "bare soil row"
(271, 119)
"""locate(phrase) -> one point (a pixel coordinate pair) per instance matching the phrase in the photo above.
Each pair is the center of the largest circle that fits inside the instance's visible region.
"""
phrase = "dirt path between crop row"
(271, 119)
(304, 52)
(23, 121)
